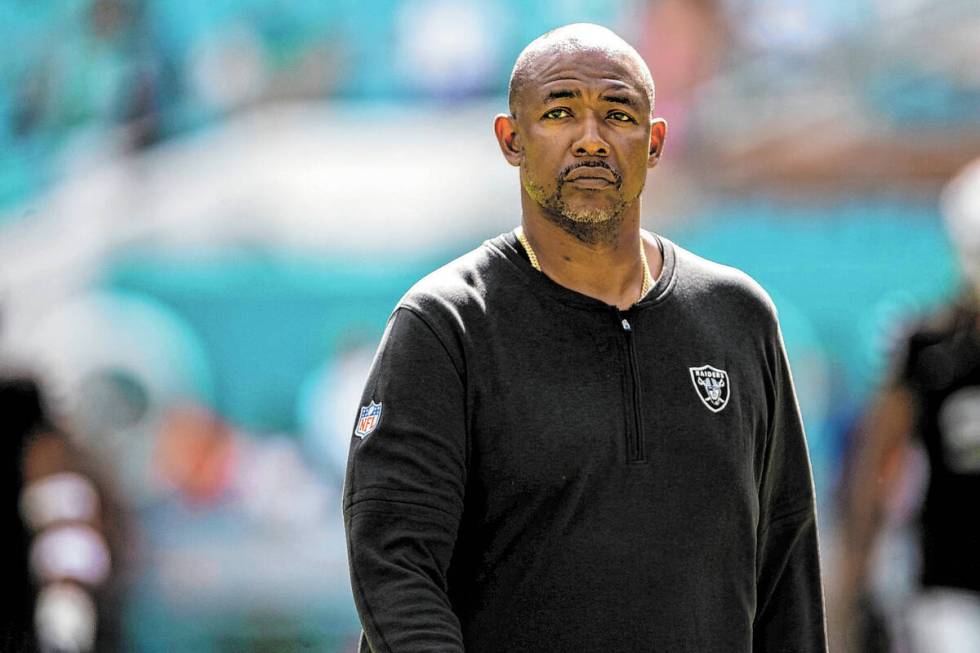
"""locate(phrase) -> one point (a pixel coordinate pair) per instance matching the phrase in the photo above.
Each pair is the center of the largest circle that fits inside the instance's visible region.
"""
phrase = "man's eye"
(555, 114)
(621, 116)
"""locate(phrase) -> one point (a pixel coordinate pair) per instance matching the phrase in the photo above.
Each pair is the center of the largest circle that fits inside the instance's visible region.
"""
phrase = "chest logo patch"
(712, 385)
(368, 420)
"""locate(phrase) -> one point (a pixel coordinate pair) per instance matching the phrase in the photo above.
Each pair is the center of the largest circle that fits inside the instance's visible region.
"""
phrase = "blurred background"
(208, 209)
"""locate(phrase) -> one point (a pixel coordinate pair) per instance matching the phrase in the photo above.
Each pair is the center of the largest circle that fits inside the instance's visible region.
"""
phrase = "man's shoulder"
(709, 283)
(461, 285)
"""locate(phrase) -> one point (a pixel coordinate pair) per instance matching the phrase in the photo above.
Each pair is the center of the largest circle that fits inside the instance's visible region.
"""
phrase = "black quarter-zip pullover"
(535, 470)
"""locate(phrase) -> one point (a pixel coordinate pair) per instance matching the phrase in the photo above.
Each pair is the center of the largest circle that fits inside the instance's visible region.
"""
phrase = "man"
(933, 392)
(579, 436)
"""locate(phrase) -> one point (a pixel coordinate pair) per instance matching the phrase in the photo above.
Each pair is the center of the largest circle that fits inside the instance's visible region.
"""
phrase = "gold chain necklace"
(647, 275)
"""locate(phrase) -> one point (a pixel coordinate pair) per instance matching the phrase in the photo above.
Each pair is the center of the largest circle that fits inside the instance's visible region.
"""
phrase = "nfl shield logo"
(368, 420)
(712, 385)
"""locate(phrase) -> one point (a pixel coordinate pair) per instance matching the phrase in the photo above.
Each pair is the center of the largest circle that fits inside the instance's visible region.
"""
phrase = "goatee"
(590, 229)
(590, 225)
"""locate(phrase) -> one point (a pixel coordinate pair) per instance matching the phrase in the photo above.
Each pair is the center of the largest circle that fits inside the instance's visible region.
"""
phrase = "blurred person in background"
(932, 394)
(546, 457)
(63, 534)
(21, 412)
(685, 42)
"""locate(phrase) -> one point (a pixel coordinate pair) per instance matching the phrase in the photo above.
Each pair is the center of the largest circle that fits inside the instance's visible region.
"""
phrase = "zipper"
(635, 450)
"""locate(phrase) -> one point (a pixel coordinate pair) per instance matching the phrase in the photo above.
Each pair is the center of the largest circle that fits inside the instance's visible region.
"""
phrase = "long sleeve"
(789, 610)
(403, 494)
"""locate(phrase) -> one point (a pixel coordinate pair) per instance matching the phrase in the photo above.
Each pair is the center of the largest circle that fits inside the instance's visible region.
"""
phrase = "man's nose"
(590, 142)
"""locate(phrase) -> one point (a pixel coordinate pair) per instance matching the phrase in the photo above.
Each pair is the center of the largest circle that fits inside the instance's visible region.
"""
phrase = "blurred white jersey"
(945, 620)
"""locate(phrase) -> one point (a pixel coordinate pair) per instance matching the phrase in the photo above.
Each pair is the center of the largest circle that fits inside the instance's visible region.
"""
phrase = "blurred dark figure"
(61, 536)
(933, 394)
(21, 410)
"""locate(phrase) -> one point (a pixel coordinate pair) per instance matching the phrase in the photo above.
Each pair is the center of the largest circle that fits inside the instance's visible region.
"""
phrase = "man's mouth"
(591, 173)
(590, 182)
(592, 177)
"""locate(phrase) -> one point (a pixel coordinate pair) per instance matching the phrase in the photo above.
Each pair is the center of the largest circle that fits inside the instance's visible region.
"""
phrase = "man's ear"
(658, 134)
(505, 128)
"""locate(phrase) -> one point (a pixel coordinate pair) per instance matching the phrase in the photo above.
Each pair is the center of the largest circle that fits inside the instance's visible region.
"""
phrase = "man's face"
(583, 120)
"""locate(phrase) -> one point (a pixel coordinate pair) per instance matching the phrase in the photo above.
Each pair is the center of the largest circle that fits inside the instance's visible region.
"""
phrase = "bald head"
(573, 39)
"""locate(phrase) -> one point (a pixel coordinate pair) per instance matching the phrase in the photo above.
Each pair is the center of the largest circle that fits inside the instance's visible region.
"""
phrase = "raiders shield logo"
(368, 420)
(712, 386)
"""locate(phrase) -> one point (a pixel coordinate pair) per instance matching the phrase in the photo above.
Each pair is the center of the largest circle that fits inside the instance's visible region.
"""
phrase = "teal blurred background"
(209, 208)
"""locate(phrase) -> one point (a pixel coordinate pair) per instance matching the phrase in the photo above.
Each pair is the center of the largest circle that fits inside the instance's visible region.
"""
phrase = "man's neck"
(611, 270)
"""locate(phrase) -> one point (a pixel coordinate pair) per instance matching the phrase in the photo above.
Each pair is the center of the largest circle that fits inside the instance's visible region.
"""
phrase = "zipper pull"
(626, 325)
